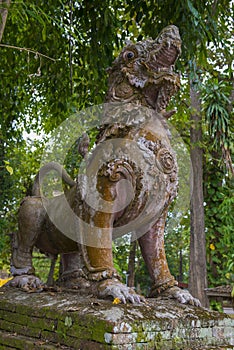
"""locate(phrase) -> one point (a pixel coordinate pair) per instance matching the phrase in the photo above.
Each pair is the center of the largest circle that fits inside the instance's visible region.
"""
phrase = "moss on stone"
(78, 322)
(158, 341)
(14, 316)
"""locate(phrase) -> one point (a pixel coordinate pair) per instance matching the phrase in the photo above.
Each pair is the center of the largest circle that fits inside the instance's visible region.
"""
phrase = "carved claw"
(28, 283)
(183, 296)
(116, 289)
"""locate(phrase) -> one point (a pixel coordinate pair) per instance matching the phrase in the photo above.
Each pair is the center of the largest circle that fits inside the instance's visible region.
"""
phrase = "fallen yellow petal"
(4, 281)
(212, 246)
(116, 301)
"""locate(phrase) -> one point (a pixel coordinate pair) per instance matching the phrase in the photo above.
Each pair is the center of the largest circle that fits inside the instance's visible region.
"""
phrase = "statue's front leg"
(99, 259)
(153, 252)
(101, 267)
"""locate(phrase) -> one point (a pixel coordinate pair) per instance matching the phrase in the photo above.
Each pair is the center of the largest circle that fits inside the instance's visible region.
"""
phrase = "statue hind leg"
(73, 273)
(30, 214)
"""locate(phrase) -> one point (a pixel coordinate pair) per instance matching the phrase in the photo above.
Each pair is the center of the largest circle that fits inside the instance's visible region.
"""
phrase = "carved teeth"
(165, 69)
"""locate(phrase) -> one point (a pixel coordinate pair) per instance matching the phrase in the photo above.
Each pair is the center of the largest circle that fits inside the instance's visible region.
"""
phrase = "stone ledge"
(69, 321)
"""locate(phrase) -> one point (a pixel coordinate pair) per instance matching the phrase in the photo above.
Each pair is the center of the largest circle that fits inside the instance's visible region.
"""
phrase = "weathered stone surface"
(68, 321)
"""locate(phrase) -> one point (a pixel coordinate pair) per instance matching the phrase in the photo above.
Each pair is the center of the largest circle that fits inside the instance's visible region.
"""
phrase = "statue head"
(144, 71)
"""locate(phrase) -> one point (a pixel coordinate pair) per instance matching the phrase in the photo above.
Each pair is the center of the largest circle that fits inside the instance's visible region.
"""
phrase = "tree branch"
(28, 50)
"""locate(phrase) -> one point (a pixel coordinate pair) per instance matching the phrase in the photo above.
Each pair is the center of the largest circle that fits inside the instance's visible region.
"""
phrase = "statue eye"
(128, 55)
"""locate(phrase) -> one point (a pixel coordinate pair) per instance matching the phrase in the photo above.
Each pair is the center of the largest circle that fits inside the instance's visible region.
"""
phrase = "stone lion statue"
(134, 192)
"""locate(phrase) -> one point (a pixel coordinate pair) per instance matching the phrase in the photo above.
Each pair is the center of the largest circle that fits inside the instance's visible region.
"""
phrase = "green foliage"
(220, 227)
(177, 249)
(216, 103)
(42, 263)
(121, 257)
(65, 72)
(215, 305)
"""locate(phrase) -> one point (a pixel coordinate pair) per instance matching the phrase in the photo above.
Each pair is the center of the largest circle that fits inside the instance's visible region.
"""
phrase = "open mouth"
(167, 49)
(160, 65)
(163, 59)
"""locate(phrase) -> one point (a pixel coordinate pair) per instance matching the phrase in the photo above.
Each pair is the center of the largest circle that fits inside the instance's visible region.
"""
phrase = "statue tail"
(45, 170)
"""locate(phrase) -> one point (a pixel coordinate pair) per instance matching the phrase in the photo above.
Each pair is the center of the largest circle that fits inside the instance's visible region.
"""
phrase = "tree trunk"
(131, 264)
(198, 273)
(229, 163)
(180, 278)
(4, 5)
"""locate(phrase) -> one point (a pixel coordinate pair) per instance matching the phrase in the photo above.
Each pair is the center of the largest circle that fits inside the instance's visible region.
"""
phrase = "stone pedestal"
(52, 320)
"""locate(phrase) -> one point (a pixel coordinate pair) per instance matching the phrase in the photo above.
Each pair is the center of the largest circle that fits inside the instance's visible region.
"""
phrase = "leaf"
(68, 321)
(9, 169)
(44, 33)
(193, 10)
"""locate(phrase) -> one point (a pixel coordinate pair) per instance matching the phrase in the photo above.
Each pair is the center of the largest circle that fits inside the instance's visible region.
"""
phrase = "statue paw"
(181, 295)
(116, 289)
(28, 283)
